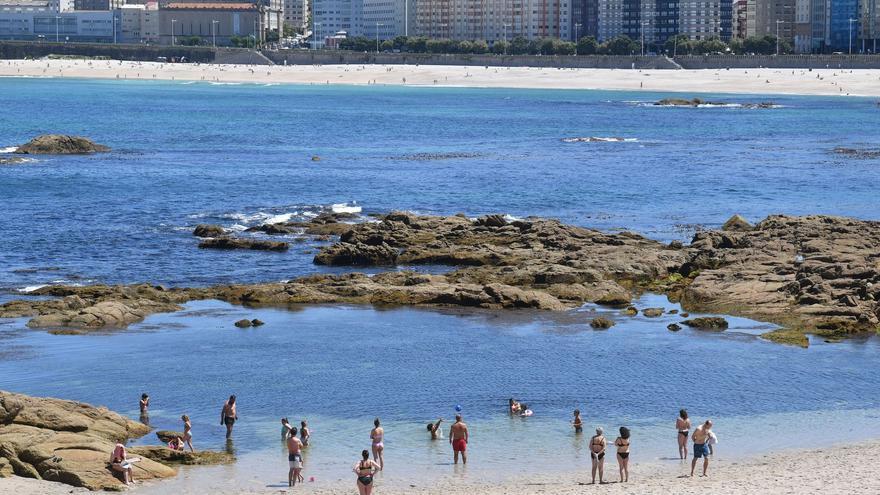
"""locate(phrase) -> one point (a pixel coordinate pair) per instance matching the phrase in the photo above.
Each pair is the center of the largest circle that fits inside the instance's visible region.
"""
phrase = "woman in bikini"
(365, 469)
(304, 433)
(622, 444)
(120, 463)
(377, 435)
(597, 454)
(187, 432)
(683, 425)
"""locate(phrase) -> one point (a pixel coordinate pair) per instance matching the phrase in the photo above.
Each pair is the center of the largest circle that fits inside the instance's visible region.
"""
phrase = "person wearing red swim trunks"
(458, 438)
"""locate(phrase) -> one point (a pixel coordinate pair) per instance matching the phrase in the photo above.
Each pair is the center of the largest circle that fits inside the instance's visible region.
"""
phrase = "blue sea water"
(185, 154)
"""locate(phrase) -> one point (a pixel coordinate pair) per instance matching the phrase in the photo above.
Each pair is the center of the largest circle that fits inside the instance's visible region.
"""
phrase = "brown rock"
(239, 243)
(58, 144)
(209, 230)
(672, 327)
(652, 312)
(601, 323)
(168, 457)
(707, 323)
(244, 323)
(737, 223)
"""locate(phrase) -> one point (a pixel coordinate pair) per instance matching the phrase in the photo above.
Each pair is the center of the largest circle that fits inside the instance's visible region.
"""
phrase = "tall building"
(869, 25)
(772, 17)
(584, 19)
(296, 13)
(740, 18)
(97, 4)
(843, 27)
(493, 20)
(387, 18)
(332, 16)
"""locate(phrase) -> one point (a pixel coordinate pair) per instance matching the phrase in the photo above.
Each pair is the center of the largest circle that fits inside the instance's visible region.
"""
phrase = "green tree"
(417, 45)
(189, 40)
(500, 47)
(479, 46)
(387, 46)
(464, 47)
(358, 44)
(400, 43)
(736, 46)
(587, 46)
(711, 45)
(272, 36)
(679, 45)
(519, 46)
(436, 46)
(563, 47)
(620, 45)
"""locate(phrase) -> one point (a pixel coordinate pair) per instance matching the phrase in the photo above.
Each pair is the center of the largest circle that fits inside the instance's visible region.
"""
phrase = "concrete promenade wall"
(780, 62)
(143, 53)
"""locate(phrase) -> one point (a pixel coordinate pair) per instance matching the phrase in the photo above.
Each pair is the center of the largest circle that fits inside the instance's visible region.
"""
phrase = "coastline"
(758, 81)
(828, 470)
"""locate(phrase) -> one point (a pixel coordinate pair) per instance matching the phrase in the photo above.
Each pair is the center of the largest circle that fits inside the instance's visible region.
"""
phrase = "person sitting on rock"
(176, 443)
(119, 462)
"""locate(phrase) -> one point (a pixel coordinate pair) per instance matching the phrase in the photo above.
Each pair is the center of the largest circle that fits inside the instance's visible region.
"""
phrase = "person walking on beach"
(294, 458)
(365, 469)
(683, 426)
(187, 432)
(458, 438)
(304, 434)
(597, 454)
(434, 429)
(377, 436)
(622, 444)
(701, 436)
(229, 415)
(577, 423)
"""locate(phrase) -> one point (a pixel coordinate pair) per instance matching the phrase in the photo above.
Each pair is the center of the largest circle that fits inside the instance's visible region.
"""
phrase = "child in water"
(525, 410)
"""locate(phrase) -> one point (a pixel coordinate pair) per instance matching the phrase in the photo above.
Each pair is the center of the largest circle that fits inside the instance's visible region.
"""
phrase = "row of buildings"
(807, 25)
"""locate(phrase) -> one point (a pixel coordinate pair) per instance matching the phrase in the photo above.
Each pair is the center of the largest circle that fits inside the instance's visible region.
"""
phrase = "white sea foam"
(238, 227)
(31, 288)
(9, 149)
(284, 217)
(599, 139)
(511, 218)
(345, 208)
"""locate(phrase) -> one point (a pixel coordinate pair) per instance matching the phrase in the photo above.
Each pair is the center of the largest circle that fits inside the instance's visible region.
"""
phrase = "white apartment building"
(493, 20)
(54, 26)
(333, 16)
(388, 18)
(296, 13)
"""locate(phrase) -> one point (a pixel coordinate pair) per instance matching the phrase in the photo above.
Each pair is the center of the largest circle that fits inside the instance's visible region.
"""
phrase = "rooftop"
(208, 6)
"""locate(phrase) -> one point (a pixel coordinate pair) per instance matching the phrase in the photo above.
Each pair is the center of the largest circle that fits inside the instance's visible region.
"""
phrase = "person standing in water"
(304, 433)
(683, 426)
(377, 435)
(701, 436)
(434, 429)
(458, 438)
(577, 423)
(597, 454)
(294, 458)
(365, 469)
(622, 444)
(285, 429)
(229, 415)
(145, 404)
(187, 432)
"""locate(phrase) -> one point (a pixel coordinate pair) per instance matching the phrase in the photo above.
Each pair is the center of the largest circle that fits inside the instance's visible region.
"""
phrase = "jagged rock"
(59, 144)
(103, 314)
(613, 299)
(707, 323)
(737, 223)
(67, 442)
(244, 323)
(672, 327)
(601, 323)
(257, 323)
(652, 312)
(492, 221)
(239, 243)
(209, 230)
(168, 457)
(166, 436)
(360, 254)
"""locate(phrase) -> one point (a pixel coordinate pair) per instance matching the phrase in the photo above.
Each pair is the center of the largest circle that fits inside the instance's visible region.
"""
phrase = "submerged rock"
(257, 323)
(672, 327)
(244, 323)
(601, 323)
(68, 442)
(209, 230)
(59, 144)
(860, 153)
(707, 323)
(652, 312)
(239, 243)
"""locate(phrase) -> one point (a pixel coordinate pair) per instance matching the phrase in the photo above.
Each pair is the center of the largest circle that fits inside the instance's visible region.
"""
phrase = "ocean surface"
(241, 155)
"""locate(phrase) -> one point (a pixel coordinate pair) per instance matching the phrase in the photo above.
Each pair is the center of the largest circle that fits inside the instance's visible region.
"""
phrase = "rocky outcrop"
(652, 312)
(672, 327)
(168, 457)
(707, 323)
(59, 144)
(68, 442)
(859, 153)
(601, 323)
(209, 230)
(240, 243)
(737, 223)
(815, 274)
(103, 314)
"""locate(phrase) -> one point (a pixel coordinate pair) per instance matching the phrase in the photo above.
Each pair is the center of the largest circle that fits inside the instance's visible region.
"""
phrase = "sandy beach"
(831, 470)
(739, 81)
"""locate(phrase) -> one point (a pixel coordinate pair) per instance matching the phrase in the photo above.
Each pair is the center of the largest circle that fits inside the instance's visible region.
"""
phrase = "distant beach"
(830, 470)
(739, 81)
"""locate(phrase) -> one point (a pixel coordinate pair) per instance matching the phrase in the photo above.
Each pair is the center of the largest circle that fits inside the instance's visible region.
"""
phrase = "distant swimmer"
(683, 426)
(304, 433)
(434, 430)
(294, 458)
(514, 407)
(597, 454)
(577, 423)
(701, 436)
(187, 432)
(525, 411)
(622, 444)
(458, 438)
(229, 415)
(377, 436)
(365, 469)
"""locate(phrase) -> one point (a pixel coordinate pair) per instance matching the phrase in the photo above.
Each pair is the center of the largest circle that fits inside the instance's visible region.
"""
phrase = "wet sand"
(741, 81)
(833, 470)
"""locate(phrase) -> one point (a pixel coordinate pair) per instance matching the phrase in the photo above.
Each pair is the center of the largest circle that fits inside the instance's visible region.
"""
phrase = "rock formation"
(813, 274)
(59, 144)
(240, 243)
(67, 442)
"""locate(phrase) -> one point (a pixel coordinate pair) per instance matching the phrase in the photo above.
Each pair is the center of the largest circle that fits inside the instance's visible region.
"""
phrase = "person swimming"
(365, 469)
(622, 444)
(597, 454)
(683, 425)
(377, 436)
(577, 423)
(525, 411)
(434, 429)
(514, 407)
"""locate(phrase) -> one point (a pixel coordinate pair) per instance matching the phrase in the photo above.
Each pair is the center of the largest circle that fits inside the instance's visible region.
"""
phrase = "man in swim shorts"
(458, 438)
(701, 449)
(294, 457)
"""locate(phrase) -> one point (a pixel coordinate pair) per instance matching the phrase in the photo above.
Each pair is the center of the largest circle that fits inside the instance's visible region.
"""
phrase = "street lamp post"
(172, 31)
(577, 28)
(214, 33)
(315, 32)
(851, 21)
(56, 27)
(778, 22)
